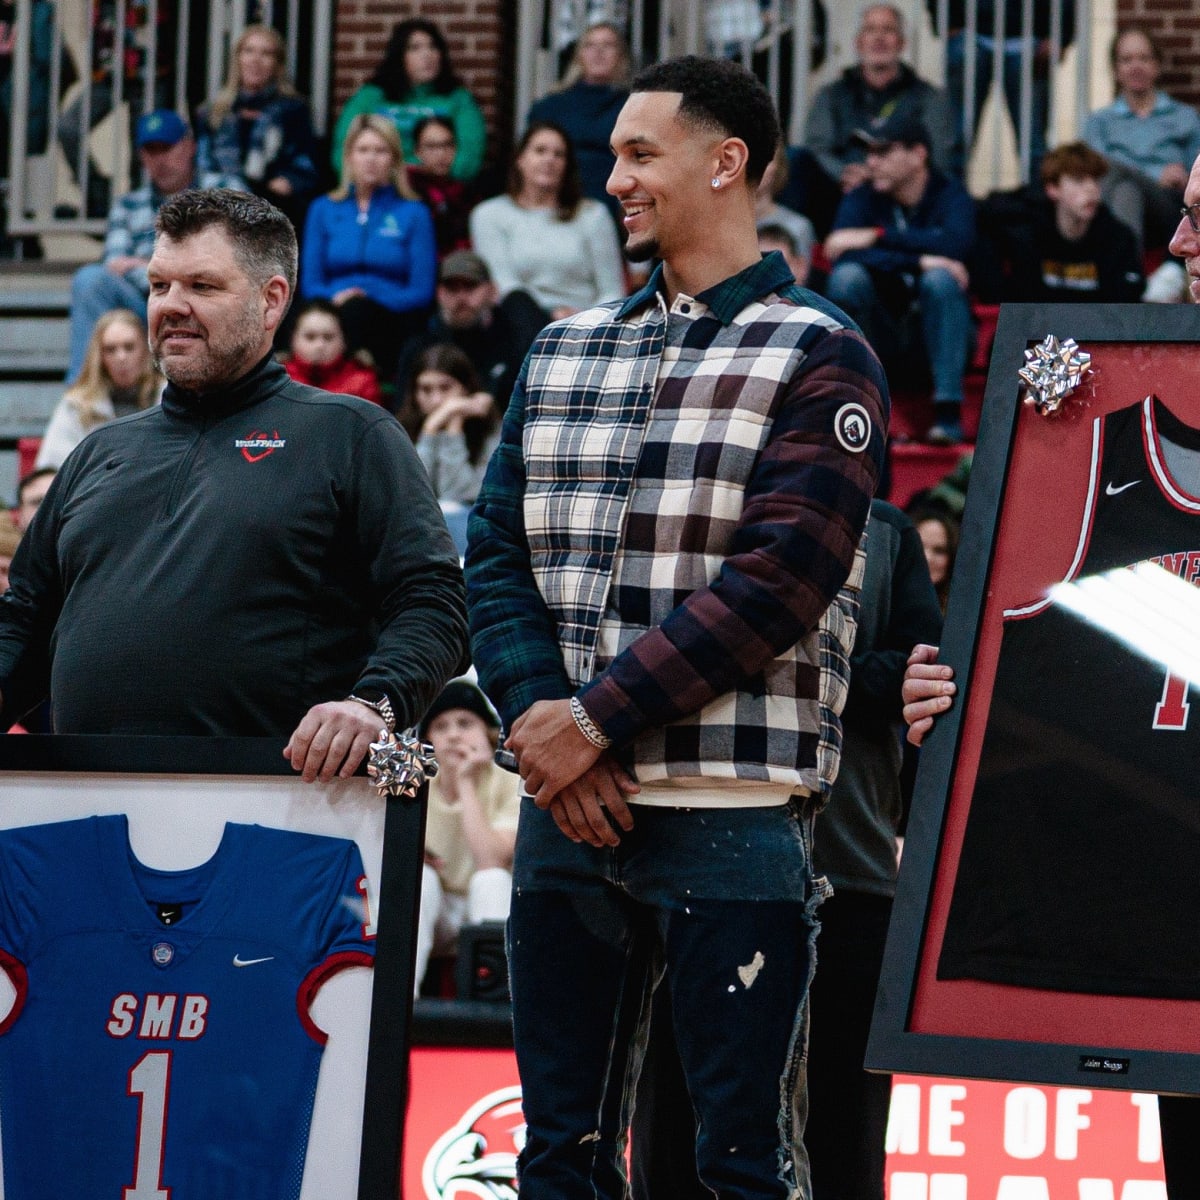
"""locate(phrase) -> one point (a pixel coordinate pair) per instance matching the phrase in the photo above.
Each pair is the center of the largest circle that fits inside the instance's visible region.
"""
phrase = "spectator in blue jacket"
(899, 247)
(369, 247)
(1149, 139)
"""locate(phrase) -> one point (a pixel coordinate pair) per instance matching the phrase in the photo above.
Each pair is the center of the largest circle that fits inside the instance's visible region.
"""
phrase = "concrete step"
(26, 405)
(49, 301)
(35, 300)
(38, 286)
(34, 345)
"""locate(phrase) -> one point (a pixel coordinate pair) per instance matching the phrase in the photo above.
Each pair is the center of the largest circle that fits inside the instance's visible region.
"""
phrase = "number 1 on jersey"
(1171, 712)
(148, 1079)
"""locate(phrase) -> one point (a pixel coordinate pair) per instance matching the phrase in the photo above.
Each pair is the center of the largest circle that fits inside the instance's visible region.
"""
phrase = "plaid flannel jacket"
(670, 527)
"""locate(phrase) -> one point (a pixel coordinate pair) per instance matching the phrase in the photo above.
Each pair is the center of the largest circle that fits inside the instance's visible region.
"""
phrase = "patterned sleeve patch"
(852, 427)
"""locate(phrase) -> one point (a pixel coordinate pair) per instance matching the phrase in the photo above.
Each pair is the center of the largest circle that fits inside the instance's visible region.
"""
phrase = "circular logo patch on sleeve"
(852, 426)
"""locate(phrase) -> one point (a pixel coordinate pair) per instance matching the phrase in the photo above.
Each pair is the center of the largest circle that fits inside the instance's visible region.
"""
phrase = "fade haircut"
(719, 95)
(264, 242)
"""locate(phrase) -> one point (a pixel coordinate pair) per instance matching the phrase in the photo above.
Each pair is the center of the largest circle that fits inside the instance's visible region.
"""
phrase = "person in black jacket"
(1062, 244)
(254, 557)
(856, 847)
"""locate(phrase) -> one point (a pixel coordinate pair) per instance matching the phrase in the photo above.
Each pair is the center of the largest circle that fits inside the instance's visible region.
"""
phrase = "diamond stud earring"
(716, 181)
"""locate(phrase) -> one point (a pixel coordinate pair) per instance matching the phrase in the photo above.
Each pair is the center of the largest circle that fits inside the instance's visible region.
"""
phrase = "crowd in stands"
(870, 209)
(422, 285)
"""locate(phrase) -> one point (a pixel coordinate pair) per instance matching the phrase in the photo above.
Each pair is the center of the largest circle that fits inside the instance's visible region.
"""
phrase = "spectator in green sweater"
(414, 80)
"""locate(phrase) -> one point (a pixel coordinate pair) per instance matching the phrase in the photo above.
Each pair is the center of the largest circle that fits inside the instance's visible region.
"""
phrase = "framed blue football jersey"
(161, 1043)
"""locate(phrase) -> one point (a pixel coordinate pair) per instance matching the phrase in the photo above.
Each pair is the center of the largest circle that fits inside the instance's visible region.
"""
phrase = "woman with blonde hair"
(259, 127)
(586, 101)
(118, 378)
(369, 247)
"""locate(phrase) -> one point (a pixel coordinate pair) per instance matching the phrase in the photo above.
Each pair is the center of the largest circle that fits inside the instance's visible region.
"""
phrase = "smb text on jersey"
(160, 1045)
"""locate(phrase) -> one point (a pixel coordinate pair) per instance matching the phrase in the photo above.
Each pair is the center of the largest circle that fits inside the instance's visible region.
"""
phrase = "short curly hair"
(264, 242)
(721, 95)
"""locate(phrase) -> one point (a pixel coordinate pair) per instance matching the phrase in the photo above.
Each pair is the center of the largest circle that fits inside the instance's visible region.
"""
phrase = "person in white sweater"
(543, 236)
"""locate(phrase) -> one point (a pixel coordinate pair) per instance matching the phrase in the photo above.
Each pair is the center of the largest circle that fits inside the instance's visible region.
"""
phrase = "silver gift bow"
(401, 763)
(1052, 371)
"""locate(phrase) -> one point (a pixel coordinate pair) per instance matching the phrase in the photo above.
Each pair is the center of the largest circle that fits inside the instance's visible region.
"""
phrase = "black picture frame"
(899, 1040)
(386, 1089)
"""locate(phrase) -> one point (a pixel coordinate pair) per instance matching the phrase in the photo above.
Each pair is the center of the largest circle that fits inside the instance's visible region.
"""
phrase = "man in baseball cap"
(901, 126)
(899, 247)
(495, 335)
(167, 152)
(162, 127)
(466, 266)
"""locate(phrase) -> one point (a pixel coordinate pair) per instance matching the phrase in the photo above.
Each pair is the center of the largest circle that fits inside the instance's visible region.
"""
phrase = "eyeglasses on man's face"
(1192, 212)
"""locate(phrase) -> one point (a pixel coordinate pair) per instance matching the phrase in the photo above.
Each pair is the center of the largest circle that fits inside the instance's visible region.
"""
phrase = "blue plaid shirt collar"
(727, 298)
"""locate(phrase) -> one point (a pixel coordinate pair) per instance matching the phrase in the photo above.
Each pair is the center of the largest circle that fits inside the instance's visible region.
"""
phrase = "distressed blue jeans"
(721, 900)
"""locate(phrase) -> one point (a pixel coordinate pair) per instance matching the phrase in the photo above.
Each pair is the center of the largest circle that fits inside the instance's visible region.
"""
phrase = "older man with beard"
(253, 557)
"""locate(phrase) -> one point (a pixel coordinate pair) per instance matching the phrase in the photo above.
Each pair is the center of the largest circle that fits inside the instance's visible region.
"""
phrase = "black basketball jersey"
(1080, 868)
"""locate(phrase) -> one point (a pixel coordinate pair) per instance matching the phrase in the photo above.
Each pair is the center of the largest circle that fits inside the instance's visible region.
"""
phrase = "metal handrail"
(34, 210)
(543, 25)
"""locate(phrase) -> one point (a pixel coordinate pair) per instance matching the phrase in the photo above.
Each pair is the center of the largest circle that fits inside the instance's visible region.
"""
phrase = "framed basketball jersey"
(1047, 921)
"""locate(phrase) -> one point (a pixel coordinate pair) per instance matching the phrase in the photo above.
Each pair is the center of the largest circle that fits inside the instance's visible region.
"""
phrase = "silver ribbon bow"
(1052, 371)
(401, 763)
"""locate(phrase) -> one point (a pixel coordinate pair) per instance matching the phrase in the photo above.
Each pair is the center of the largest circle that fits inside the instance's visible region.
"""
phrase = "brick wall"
(1175, 26)
(480, 33)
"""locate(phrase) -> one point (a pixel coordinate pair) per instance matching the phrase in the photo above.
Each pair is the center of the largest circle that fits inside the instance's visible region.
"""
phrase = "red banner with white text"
(947, 1139)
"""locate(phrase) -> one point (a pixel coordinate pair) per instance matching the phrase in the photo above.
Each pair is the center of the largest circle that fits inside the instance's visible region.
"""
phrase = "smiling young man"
(662, 572)
(252, 557)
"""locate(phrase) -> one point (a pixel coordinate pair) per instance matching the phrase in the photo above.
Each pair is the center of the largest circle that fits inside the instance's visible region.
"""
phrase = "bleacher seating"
(34, 302)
